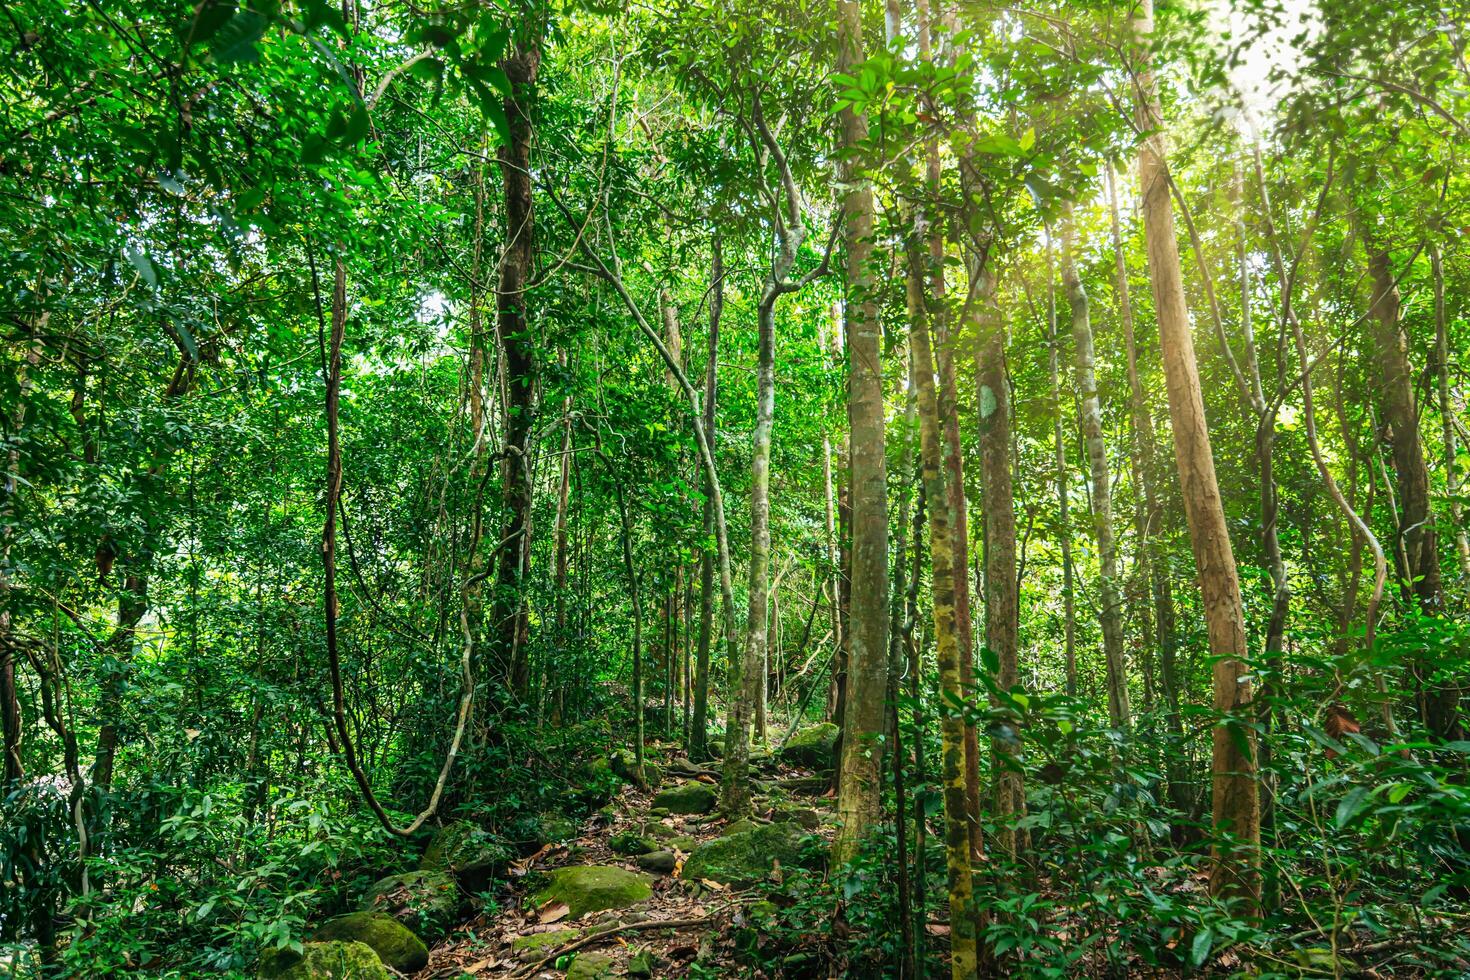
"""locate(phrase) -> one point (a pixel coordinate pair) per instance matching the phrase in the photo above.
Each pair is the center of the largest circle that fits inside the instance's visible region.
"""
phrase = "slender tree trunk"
(859, 796)
(1447, 413)
(1102, 492)
(964, 959)
(12, 771)
(699, 740)
(1002, 608)
(1235, 853)
(1064, 508)
(510, 621)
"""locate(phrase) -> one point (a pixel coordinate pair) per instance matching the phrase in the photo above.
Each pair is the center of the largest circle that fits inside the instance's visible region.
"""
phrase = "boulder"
(746, 856)
(593, 888)
(641, 964)
(591, 966)
(427, 902)
(472, 855)
(531, 831)
(390, 939)
(804, 817)
(322, 961)
(660, 862)
(625, 766)
(687, 798)
(539, 943)
(630, 844)
(668, 835)
(740, 827)
(811, 747)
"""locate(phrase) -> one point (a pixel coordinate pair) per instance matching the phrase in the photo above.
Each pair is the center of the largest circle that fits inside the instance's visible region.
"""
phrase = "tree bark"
(1235, 853)
(859, 797)
(510, 621)
(957, 841)
(1447, 411)
(1064, 508)
(699, 736)
(1102, 492)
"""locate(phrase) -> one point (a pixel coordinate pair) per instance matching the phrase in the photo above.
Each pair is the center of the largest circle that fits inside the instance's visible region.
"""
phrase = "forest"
(717, 488)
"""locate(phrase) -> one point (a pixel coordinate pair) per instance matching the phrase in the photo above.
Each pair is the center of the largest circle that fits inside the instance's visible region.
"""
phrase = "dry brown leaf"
(715, 885)
(553, 912)
(936, 928)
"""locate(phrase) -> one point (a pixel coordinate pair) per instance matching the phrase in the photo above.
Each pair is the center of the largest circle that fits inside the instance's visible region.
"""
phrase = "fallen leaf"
(936, 928)
(714, 885)
(553, 912)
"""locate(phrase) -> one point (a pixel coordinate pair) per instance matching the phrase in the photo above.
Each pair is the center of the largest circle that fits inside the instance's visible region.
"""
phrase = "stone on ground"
(641, 964)
(541, 942)
(428, 902)
(625, 766)
(690, 798)
(812, 747)
(322, 961)
(531, 831)
(660, 862)
(395, 945)
(804, 817)
(470, 854)
(630, 844)
(593, 888)
(591, 966)
(747, 856)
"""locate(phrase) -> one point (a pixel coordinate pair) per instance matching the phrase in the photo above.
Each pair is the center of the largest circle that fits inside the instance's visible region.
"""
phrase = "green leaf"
(235, 41)
(1348, 808)
(1199, 950)
(141, 262)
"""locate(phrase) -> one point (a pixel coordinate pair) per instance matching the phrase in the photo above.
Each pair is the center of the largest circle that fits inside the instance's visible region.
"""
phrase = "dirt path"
(519, 940)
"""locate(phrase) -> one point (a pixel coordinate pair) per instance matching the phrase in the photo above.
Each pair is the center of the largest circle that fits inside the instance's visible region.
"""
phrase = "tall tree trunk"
(1149, 516)
(1064, 508)
(1235, 853)
(699, 738)
(1447, 411)
(11, 769)
(1102, 492)
(948, 395)
(1002, 607)
(859, 797)
(509, 619)
(963, 946)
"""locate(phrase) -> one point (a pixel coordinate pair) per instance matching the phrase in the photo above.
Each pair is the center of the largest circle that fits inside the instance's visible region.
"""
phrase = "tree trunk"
(509, 619)
(964, 960)
(1002, 609)
(699, 736)
(1102, 492)
(1235, 853)
(859, 797)
(1064, 509)
(1447, 409)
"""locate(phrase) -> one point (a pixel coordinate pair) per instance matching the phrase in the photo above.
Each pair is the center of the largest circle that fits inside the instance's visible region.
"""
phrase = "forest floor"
(683, 920)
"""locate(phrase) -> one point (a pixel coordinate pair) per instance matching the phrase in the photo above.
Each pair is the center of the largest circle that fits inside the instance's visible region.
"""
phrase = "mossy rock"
(427, 902)
(395, 945)
(668, 835)
(804, 817)
(740, 827)
(597, 783)
(812, 747)
(593, 888)
(591, 966)
(624, 764)
(531, 831)
(659, 862)
(746, 856)
(689, 798)
(472, 855)
(540, 942)
(322, 961)
(642, 964)
(630, 844)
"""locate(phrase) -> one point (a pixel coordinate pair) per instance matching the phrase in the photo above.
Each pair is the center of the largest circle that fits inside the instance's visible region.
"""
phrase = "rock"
(597, 784)
(395, 945)
(671, 838)
(812, 747)
(427, 902)
(661, 862)
(804, 817)
(625, 766)
(746, 856)
(687, 798)
(641, 964)
(322, 961)
(740, 827)
(630, 844)
(593, 888)
(540, 943)
(531, 831)
(472, 855)
(591, 966)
